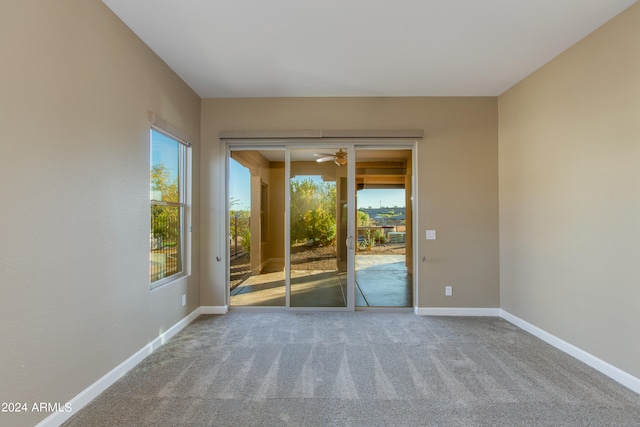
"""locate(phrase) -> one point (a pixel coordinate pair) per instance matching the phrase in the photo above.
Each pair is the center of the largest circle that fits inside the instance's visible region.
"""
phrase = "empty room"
(320, 213)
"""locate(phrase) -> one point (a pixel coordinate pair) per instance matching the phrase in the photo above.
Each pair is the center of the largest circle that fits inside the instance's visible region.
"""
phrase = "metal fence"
(239, 235)
(165, 242)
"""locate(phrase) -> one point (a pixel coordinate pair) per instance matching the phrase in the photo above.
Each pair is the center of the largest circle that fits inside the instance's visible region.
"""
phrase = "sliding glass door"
(319, 213)
(256, 246)
(299, 240)
(384, 256)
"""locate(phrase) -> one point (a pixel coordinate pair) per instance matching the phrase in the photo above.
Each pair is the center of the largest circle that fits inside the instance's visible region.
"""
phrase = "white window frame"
(184, 203)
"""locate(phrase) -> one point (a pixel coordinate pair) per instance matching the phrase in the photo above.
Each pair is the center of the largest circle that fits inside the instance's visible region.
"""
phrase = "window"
(168, 201)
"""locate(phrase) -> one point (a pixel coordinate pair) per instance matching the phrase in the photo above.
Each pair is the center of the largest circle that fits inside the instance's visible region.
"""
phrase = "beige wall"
(570, 195)
(76, 90)
(457, 182)
(274, 250)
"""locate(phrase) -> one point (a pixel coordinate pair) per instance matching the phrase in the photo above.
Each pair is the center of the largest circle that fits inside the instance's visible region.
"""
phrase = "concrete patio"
(381, 281)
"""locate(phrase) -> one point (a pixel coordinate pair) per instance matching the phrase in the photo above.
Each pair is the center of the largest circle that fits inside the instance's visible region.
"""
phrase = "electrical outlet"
(184, 300)
(448, 291)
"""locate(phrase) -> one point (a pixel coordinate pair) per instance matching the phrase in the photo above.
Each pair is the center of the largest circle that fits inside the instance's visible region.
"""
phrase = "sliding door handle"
(349, 242)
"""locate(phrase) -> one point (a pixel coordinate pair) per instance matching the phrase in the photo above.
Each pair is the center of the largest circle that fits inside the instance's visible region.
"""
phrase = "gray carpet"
(359, 369)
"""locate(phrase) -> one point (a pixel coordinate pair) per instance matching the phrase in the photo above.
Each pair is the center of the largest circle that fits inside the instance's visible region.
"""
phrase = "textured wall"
(457, 182)
(76, 90)
(569, 139)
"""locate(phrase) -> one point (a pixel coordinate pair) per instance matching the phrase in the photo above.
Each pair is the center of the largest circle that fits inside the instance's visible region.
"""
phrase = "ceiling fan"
(339, 157)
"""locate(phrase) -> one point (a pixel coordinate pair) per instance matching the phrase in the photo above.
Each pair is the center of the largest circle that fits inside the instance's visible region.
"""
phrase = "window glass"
(165, 168)
(168, 164)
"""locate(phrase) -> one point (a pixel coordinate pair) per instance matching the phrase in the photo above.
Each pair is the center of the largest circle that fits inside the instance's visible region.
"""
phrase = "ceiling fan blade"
(325, 159)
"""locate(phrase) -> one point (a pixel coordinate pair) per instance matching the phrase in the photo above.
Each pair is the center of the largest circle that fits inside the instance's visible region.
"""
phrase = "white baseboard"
(91, 392)
(453, 311)
(609, 370)
(214, 309)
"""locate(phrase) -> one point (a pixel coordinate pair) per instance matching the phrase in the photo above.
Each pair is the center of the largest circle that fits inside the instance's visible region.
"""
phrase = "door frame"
(352, 145)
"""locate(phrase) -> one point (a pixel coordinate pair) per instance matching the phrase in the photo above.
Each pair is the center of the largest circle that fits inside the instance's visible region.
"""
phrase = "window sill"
(167, 281)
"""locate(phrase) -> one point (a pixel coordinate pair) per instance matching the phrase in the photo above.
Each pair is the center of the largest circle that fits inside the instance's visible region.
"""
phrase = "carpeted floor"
(359, 369)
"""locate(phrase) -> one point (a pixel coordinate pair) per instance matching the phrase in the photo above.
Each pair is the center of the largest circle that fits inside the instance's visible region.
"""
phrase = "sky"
(239, 185)
(240, 189)
(164, 150)
(388, 198)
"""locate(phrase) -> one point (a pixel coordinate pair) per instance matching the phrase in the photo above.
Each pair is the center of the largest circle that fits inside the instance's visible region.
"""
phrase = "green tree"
(313, 211)
(363, 219)
(165, 220)
(240, 226)
(320, 226)
(164, 187)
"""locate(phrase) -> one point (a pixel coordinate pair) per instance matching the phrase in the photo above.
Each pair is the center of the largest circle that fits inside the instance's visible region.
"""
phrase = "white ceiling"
(265, 48)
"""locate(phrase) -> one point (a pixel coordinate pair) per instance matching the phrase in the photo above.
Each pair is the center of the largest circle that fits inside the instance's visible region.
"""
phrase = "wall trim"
(457, 311)
(94, 390)
(214, 309)
(596, 363)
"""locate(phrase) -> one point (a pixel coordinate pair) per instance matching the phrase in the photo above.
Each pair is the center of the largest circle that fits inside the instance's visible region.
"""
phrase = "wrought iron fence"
(239, 235)
(165, 242)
